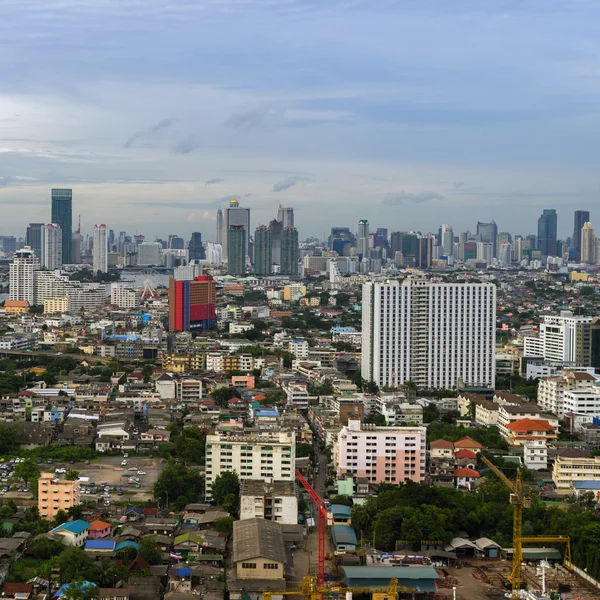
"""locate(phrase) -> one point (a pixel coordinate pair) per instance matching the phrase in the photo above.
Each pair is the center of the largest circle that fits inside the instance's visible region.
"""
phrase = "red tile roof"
(466, 472)
(99, 526)
(464, 453)
(530, 425)
(441, 444)
(468, 442)
(10, 589)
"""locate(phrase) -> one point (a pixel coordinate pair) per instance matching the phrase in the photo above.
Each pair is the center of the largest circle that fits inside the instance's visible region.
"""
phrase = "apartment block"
(381, 454)
(188, 390)
(584, 402)
(265, 455)
(181, 363)
(569, 470)
(123, 297)
(397, 411)
(551, 391)
(56, 494)
(274, 501)
(297, 393)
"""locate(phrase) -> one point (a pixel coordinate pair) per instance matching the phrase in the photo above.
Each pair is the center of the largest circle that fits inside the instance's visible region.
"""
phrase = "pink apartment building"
(381, 454)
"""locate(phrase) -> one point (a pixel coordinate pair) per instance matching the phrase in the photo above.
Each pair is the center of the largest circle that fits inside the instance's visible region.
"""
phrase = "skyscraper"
(234, 215)
(425, 251)
(581, 218)
(363, 238)
(62, 214)
(447, 240)
(430, 333)
(195, 248)
(21, 275)
(395, 242)
(286, 216)
(263, 246)
(488, 232)
(276, 227)
(193, 304)
(289, 251)
(33, 238)
(51, 253)
(588, 244)
(236, 244)
(100, 261)
(219, 227)
(547, 232)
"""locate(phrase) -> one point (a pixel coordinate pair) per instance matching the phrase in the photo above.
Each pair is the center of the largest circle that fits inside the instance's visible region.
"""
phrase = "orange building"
(56, 494)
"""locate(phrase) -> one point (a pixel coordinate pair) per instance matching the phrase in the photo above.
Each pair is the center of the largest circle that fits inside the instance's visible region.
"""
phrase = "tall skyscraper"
(195, 247)
(176, 243)
(395, 242)
(547, 232)
(33, 238)
(276, 227)
(488, 232)
(219, 227)
(236, 243)
(52, 252)
(100, 261)
(235, 215)
(433, 334)
(363, 238)
(21, 277)
(193, 304)
(289, 251)
(425, 251)
(447, 240)
(588, 244)
(62, 214)
(581, 218)
(285, 216)
(462, 240)
(263, 246)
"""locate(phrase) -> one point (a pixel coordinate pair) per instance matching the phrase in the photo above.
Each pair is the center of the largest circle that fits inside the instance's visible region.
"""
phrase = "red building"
(193, 304)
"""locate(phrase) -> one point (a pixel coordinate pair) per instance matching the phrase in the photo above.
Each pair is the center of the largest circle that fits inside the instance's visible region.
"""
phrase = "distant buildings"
(100, 250)
(286, 216)
(21, 275)
(192, 304)
(581, 218)
(239, 217)
(51, 255)
(588, 244)
(547, 232)
(33, 238)
(149, 254)
(263, 255)
(62, 215)
(488, 232)
(236, 244)
(363, 238)
(289, 251)
(195, 247)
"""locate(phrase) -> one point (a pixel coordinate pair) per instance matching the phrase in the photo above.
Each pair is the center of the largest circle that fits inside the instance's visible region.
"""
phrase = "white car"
(124, 463)
(141, 472)
(125, 455)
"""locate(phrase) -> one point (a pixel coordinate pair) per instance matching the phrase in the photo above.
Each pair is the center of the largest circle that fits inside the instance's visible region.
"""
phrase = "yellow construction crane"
(519, 499)
(553, 539)
(311, 591)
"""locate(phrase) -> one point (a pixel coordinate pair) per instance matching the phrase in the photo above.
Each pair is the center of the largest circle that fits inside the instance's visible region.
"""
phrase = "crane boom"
(505, 480)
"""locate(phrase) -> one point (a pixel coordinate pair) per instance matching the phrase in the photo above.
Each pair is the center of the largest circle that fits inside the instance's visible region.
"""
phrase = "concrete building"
(299, 348)
(433, 334)
(290, 251)
(21, 272)
(285, 216)
(568, 470)
(581, 218)
(274, 501)
(363, 238)
(188, 390)
(551, 390)
(62, 215)
(525, 430)
(547, 232)
(236, 250)
(583, 402)
(100, 250)
(236, 216)
(56, 494)
(51, 255)
(296, 393)
(58, 305)
(535, 455)
(149, 254)
(398, 411)
(268, 455)
(33, 238)
(381, 454)
(589, 254)
(123, 297)
(263, 251)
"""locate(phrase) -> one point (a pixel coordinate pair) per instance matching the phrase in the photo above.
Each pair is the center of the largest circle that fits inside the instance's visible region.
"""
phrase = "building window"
(271, 566)
(248, 565)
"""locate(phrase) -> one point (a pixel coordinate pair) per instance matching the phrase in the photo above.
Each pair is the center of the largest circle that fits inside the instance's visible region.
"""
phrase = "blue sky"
(410, 114)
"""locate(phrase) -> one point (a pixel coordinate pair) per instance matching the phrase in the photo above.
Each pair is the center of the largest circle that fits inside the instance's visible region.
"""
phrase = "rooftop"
(253, 538)
(259, 487)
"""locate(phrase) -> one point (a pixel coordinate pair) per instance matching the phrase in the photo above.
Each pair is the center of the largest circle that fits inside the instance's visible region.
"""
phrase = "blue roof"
(135, 510)
(586, 485)
(75, 527)
(420, 578)
(64, 586)
(267, 413)
(124, 545)
(343, 534)
(100, 545)
(340, 510)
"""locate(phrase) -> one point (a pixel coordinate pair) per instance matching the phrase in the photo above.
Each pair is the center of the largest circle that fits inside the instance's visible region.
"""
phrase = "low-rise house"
(344, 537)
(159, 526)
(466, 478)
(98, 530)
(73, 533)
(156, 436)
(519, 432)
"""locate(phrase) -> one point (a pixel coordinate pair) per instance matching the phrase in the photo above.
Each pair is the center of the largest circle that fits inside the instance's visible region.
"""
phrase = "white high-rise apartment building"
(433, 334)
(265, 455)
(51, 240)
(100, 249)
(21, 275)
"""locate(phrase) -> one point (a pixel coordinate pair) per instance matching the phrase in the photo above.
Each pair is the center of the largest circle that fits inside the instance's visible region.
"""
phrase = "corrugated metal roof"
(343, 534)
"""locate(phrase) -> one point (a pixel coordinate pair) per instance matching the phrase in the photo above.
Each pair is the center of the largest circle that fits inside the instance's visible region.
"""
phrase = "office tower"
(462, 240)
(290, 251)
(219, 227)
(234, 215)
(470, 251)
(236, 242)
(176, 242)
(62, 215)
(111, 239)
(214, 253)
(8, 243)
(424, 252)
(195, 248)
(363, 238)
(263, 246)
(193, 304)
(484, 252)
(395, 242)
(276, 228)
(52, 252)
(505, 253)
(488, 232)
(342, 235)
(285, 216)
(121, 242)
(447, 240)
(504, 238)
(588, 244)
(139, 239)
(547, 232)
(33, 238)
(100, 256)
(581, 218)
(22, 267)
(433, 334)
(76, 248)
(149, 254)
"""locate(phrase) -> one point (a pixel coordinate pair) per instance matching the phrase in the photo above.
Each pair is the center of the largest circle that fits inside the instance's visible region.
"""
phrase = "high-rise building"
(149, 254)
(581, 218)
(219, 227)
(100, 262)
(276, 227)
(447, 240)
(176, 242)
(470, 251)
(505, 253)
(363, 238)
(62, 214)
(547, 232)
(484, 252)
(24, 263)
(488, 232)
(396, 242)
(33, 238)
(193, 304)
(425, 251)
(236, 243)
(462, 240)
(588, 244)
(434, 334)
(195, 247)
(285, 216)
(342, 236)
(290, 251)
(51, 254)
(235, 215)
(263, 246)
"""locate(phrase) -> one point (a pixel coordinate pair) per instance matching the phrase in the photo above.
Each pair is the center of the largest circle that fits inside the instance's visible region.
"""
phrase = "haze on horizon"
(409, 114)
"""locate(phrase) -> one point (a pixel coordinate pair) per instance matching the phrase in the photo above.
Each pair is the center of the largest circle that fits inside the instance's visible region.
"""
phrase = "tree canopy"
(178, 486)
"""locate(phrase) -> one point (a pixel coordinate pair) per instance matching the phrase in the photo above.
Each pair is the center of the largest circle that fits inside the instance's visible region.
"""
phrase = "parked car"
(125, 455)
(133, 468)
(141, 472)
(124, 463)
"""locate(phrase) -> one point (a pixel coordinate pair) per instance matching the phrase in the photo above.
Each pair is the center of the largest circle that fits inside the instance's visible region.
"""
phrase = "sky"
(407, 113)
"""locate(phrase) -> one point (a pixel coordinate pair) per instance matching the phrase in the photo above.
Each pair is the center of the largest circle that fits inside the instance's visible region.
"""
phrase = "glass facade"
(62, 214)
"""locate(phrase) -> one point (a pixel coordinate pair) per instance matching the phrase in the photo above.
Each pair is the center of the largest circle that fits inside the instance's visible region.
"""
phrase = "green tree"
(27, 471)
(80, 590)
(72, 475)
(178, 486)
(342, 499)
(74, 563)
(45, 548)
(377, 419)
(190, 445)
(224, 525)
(61, 517)
(111, 573)
(150, 551)
(75, 512)
(222, 395)
(304, 451)
(224, 484)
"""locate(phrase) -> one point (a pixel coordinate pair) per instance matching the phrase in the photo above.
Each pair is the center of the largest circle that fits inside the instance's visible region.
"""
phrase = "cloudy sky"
(410, 113)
